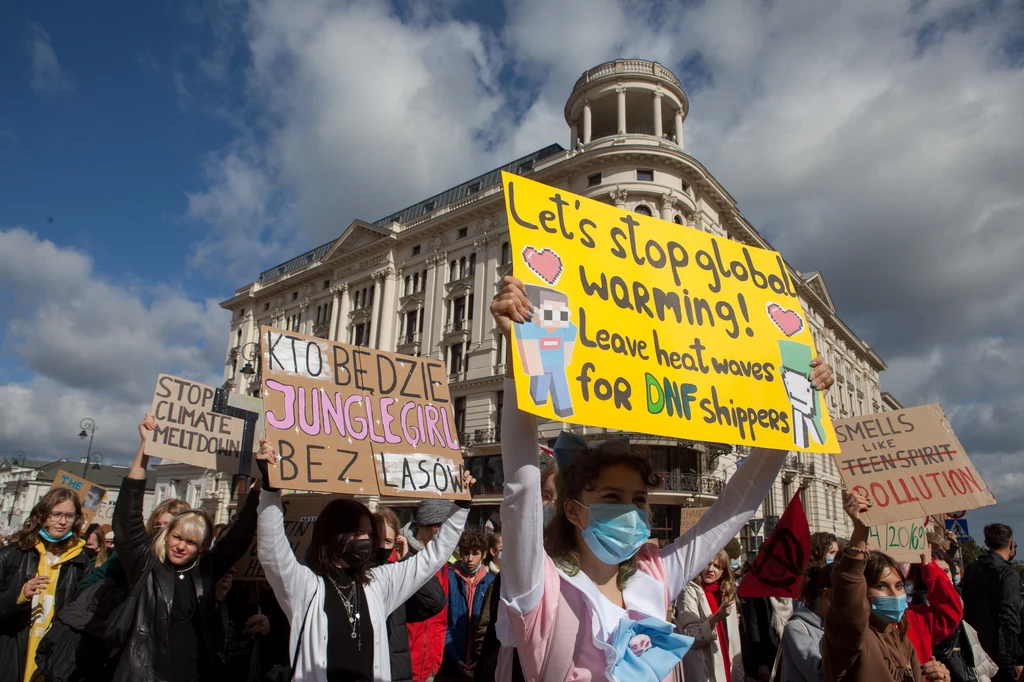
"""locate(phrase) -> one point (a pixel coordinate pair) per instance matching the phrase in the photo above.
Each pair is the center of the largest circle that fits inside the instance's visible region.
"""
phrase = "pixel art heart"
(545, 263)
(789, 322)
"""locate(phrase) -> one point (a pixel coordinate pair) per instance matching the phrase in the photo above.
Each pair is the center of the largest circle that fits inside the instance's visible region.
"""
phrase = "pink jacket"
(561, 624)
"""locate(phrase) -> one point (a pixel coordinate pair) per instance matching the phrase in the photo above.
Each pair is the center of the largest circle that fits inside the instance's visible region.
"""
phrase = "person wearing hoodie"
(426, 638)
(39, 575)
(467, 587)
(866, 626)
(801, 640)
(992, 600)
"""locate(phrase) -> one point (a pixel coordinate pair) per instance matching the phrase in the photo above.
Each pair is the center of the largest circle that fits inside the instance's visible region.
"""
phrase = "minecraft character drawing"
(545, 348)
(806, 402)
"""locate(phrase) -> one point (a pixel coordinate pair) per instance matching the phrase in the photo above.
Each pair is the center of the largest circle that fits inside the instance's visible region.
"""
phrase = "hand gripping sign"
(671, 330)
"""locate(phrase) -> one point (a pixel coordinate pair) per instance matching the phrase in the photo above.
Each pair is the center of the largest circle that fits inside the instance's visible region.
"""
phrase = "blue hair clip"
(568, 446)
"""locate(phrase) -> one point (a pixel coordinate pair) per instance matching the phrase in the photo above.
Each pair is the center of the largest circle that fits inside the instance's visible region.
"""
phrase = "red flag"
(779, 567)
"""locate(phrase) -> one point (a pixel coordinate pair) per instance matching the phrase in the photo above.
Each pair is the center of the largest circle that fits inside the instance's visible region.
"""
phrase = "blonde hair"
(727, 581)
(173, 506)
(193, 525)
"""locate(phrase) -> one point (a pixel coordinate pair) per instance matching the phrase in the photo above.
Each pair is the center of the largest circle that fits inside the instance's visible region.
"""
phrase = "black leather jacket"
(145, 654)
(17, 566)
(992, 605)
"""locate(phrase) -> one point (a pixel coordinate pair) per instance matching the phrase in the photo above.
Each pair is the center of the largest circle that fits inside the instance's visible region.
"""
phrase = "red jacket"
(426, 639)
(930, 624)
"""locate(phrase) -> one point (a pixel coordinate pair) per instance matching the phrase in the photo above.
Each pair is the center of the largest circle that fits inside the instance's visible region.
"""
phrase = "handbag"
(280, 673)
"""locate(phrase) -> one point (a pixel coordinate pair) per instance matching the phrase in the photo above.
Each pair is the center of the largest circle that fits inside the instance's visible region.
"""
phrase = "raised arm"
(945, 610)
(848, 612)
(131, 541)
(401, 580)
(686, 557)
(236, 540)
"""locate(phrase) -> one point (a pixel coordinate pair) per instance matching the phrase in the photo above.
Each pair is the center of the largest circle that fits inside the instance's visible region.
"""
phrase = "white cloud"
(93, 346)
(47, 78)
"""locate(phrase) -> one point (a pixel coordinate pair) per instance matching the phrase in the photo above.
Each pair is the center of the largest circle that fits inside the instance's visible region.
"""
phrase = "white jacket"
(704, 661)
(298, 588)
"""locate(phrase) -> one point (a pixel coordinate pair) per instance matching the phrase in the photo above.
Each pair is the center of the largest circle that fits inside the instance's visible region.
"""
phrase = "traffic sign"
(959, 528)
(956, 515)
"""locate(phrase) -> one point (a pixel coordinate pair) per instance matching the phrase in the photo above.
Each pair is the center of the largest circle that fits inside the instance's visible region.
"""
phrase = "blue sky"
(156, 156)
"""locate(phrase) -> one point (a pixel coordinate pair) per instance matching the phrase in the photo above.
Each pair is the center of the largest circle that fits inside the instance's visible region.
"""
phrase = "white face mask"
(499, 554)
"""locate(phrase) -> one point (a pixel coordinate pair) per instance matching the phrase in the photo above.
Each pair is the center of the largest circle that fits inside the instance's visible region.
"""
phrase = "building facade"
(420, 281)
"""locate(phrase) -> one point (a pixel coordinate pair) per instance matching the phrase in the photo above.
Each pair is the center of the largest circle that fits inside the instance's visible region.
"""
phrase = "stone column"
(586, 122)
(433, 304)
(336, 293)
(621, 95)
(667, 205)
(679, 128)
(305, 323)
(574, 135)
(387, 311)
(657, 115)
(479, 288)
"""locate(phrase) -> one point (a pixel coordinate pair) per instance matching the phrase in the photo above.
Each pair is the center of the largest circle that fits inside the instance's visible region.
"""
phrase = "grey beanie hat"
(432, 512)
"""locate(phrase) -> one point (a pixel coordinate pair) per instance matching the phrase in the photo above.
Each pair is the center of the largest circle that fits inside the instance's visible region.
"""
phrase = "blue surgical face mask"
(734, 565)
(829, 559)
(549, 513)
(888, 609)
(616, 531)
(908, 587)
(49, 538)
(956, 579)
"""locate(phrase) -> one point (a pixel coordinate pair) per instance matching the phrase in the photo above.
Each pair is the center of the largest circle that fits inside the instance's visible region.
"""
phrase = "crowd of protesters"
(570, 586)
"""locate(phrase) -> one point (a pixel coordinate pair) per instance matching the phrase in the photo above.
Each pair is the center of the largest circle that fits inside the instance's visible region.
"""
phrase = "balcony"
(631, 129)
(409, 339)
(793, 464)
(623, 66)
(499, 369)
(480, 437)
(675, 481)
(457, 329)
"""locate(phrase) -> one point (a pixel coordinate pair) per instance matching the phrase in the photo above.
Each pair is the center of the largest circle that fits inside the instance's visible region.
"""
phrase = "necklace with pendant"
(351, 604)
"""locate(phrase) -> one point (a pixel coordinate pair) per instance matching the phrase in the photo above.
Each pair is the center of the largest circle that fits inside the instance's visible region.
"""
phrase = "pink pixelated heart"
(545, 263)
(789, 322)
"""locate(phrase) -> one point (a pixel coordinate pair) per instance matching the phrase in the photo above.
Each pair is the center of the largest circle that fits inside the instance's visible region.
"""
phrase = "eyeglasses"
(57, 516)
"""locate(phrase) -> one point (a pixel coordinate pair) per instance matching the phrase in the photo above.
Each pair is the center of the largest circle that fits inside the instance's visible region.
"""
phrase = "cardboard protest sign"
(300, 513)
(904, 541)
(188, 430)
(89, 494)
(672, 330)
(778, 568)
(909, 463)
(689, 516)
(349, 419)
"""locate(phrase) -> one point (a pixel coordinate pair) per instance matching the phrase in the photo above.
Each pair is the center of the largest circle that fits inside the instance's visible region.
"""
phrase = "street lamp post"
(250, 352)
(89, 429)
(19, 460)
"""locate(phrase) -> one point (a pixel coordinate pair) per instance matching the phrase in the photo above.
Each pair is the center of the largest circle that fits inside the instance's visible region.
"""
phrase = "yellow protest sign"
(660, 328)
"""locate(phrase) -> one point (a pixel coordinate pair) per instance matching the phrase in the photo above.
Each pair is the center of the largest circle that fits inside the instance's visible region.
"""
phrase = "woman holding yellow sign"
(587, 597)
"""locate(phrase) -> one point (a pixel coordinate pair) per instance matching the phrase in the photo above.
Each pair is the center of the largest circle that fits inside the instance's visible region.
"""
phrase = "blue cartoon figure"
(545, 348)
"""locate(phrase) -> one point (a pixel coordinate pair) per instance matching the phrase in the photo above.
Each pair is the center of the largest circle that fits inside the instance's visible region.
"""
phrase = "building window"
(266, 306)
(643, 209)
(423, 280)
(459, 410)
(454, 359)
(453, 271)
(408, 282)
(462, 233)
(501, 349)
(474, 187)
(678, 219)
(416, 250)
(360, 335)
(686, 188)
(472, 264)
(429, 206)
(462, 268)
(645, 175)
(506, 253)
(594, 180)
(526, 166)
(499, 406)
(295, 295)
(327, 284)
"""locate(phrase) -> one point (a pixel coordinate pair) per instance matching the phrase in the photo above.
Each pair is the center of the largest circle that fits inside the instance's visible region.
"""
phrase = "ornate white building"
(420, 280)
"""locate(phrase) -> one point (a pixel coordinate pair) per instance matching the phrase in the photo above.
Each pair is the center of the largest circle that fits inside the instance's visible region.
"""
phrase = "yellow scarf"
(43, 603)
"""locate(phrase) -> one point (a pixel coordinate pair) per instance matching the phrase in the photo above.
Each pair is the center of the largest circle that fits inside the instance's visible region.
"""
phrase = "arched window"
(678, 219)
(407, 290)
(506, 253)
(472, 264)
(453, 271)
(415, 282)
(643, 209)
(463, 273)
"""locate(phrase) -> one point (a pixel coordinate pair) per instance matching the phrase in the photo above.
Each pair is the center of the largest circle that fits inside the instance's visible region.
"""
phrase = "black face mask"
(358, 552)
(382, 556)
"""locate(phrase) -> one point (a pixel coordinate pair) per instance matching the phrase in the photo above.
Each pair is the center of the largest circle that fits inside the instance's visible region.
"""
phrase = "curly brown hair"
(560, 540)
(29, 535)
(821, 543)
